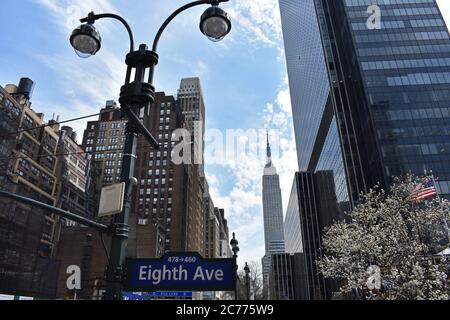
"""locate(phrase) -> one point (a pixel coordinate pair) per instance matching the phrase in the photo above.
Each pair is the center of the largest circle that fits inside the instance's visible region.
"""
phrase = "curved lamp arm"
(169, 20)
(92, 17)
(172, 16)
(177, 12)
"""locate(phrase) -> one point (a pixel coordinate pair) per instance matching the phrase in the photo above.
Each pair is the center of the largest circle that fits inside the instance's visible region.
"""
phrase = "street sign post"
(143, 296)
(136, 296)
(186, 271)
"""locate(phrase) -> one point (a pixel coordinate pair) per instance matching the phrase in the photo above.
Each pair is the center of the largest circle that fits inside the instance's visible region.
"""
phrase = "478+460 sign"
(180, 271)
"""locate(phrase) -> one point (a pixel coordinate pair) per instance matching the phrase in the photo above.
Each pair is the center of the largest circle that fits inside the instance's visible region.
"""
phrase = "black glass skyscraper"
(370, 101)
(370, 89)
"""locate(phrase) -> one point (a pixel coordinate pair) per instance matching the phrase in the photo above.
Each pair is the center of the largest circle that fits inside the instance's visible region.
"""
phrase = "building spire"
(269, 169)
(269, 151)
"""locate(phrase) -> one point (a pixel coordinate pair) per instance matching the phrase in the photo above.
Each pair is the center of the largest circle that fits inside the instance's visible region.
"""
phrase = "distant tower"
(273, 215)
(192, 104)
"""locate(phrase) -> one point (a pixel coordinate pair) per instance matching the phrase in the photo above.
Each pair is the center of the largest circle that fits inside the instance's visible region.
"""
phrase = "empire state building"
(273, 215)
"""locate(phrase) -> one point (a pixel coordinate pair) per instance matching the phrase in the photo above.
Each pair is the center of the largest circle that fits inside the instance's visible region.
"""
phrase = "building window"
(12, 108)
(143, 222)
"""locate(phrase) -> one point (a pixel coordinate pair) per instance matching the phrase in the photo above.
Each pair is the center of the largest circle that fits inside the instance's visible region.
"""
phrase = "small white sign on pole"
(111, 200)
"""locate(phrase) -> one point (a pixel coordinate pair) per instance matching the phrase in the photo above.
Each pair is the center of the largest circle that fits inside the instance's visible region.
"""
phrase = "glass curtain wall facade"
(369, 101)
(382, 93)
(317, 137)
(312, 207)
(392, 88)
(307, 74)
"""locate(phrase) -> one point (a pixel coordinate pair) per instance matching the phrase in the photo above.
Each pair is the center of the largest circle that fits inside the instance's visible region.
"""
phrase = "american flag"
(423, 191)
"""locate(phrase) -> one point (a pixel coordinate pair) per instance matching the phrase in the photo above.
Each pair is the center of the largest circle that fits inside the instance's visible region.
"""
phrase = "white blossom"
(401, 237)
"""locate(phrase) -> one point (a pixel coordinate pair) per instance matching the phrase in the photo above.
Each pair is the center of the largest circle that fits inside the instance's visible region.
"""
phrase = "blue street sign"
(172, 294)
(136, 296)
(186, 271)
(145, 296)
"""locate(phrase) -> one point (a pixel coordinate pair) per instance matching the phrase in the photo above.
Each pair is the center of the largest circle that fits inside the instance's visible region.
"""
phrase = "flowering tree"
(389, 246)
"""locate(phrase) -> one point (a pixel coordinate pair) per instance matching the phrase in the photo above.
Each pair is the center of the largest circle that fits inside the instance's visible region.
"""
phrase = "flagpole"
(419, 230)
(442, 206)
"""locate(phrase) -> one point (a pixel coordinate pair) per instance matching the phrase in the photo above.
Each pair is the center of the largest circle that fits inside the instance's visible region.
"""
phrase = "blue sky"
(243, 78)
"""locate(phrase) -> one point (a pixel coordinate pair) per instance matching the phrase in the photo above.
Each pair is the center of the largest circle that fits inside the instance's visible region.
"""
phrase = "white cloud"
(260, 23)
(66, 13)
(86, 90)
(85, 83)
(259, 20)
(243, 204)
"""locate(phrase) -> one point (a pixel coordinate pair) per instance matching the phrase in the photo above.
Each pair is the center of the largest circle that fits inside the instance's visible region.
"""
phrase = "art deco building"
(158, 210)
(169, 206)
(212, 226)
(217, 234)
(273, 216)
(191, 102)
(104, 140)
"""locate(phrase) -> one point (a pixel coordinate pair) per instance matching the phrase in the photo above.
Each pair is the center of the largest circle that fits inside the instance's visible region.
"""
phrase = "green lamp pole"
(235, 248)
(247, 280)
(135, 95)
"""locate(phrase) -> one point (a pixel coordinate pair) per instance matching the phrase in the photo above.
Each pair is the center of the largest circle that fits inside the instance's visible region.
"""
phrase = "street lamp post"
(235, 248)
(135, 95)
(247, 280)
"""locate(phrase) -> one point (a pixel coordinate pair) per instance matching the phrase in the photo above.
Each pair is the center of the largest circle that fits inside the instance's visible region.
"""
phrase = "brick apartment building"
(28, 165)
(171, 204)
